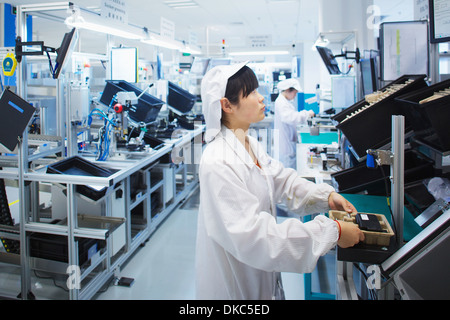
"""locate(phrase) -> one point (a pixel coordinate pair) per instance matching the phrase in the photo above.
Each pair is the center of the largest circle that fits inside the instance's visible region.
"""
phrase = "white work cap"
(213, 88)
(289, 83)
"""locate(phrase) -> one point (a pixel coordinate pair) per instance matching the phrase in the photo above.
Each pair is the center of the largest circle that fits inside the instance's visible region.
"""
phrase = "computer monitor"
(124, 64)
(64, 51)
(200, 66)
(439, 21)
(420, 267)
(15, 113)
(329, 60)
(425, 276)
(368, 75)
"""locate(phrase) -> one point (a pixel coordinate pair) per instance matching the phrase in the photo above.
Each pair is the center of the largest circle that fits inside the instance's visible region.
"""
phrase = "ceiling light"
(185, 7)
(157, 40)
(259, 53)
(180, 4)
(96, 23)
(192, 49)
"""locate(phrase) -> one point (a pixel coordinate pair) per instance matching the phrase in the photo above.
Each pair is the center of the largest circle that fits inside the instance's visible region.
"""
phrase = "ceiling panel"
(232, 20)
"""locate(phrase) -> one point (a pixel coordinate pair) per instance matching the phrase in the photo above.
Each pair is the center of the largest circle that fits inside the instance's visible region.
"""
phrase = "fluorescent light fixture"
(191, 49)
(181, 4)
(157, 40)
(185, 6)
(260, 53)
(97, 23)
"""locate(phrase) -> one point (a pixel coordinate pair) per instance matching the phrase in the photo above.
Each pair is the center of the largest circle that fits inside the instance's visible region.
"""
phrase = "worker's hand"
(338, 202)
(311, 113)
(350, 234)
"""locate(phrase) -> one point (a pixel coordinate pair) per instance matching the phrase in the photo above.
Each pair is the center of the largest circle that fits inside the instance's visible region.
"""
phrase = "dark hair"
(244, 81)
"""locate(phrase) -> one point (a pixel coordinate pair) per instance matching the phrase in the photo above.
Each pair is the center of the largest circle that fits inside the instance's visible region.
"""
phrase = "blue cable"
(104, 152)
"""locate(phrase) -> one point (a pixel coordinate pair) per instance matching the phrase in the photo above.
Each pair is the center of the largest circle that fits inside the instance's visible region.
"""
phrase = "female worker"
(241, 249)
(286, 120)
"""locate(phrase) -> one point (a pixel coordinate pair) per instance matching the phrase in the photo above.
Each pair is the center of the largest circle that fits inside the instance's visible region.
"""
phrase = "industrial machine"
(98, 173)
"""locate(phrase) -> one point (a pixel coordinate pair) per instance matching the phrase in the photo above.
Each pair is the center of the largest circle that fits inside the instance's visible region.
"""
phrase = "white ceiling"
(286, 21)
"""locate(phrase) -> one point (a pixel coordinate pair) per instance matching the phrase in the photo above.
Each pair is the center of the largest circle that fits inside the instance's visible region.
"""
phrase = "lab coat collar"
(237, 146)
(285, 100)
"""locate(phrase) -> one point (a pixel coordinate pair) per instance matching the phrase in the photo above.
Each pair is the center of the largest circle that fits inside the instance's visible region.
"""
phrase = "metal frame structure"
(29, 172)
(346, 289)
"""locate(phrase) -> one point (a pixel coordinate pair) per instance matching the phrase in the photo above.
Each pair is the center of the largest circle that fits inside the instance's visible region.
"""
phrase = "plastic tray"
(429, 120)
(371, 128)
(371, 237)
(147, 108)
(180, 99)
(82, 167)
(54, 247)
(371, 181)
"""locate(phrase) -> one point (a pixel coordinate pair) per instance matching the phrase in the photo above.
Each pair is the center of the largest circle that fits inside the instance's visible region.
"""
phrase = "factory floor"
(164, 268)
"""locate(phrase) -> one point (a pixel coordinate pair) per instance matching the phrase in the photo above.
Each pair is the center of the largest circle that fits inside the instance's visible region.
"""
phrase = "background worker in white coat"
(241, 249)
(287, 117)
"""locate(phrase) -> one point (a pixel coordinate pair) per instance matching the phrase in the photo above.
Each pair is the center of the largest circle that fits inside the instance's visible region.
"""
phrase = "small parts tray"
(180, 99)
(146, 109)
(427, 110)
(81, 167)
(371, 237)
(367, 125)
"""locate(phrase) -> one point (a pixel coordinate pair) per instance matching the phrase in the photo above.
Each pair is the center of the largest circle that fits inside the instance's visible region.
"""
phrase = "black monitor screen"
(439, 20)
(199, 66)
(369, 76)
(15, 113)
(329, 60)
(66, 48)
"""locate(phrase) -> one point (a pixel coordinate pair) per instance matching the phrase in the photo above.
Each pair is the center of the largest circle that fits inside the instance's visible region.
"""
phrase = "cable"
(100, 113)
(51, 278)
(52, 71)
(104, 141)
(349, 69)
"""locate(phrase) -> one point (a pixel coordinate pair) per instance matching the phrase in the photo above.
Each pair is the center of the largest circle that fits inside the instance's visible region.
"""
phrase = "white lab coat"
(285, 124)
(240, 247)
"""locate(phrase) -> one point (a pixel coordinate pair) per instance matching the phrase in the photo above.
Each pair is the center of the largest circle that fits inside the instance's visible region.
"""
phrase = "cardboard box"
(371, 237)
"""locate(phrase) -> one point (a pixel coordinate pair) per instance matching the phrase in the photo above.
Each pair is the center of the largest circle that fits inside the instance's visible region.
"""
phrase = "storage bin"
(429, 120)
(147, 108)
(79, 166)
(417, 197)
(369, 126)
(180, 99)
(371, 181)
(149, 139)
(55, 247)
(371, 238)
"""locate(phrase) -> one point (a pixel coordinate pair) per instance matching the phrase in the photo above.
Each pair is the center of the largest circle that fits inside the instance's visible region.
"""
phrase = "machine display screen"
(15, 113)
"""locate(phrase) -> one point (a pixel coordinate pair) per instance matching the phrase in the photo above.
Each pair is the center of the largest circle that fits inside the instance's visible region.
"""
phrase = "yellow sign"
(9, 65)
